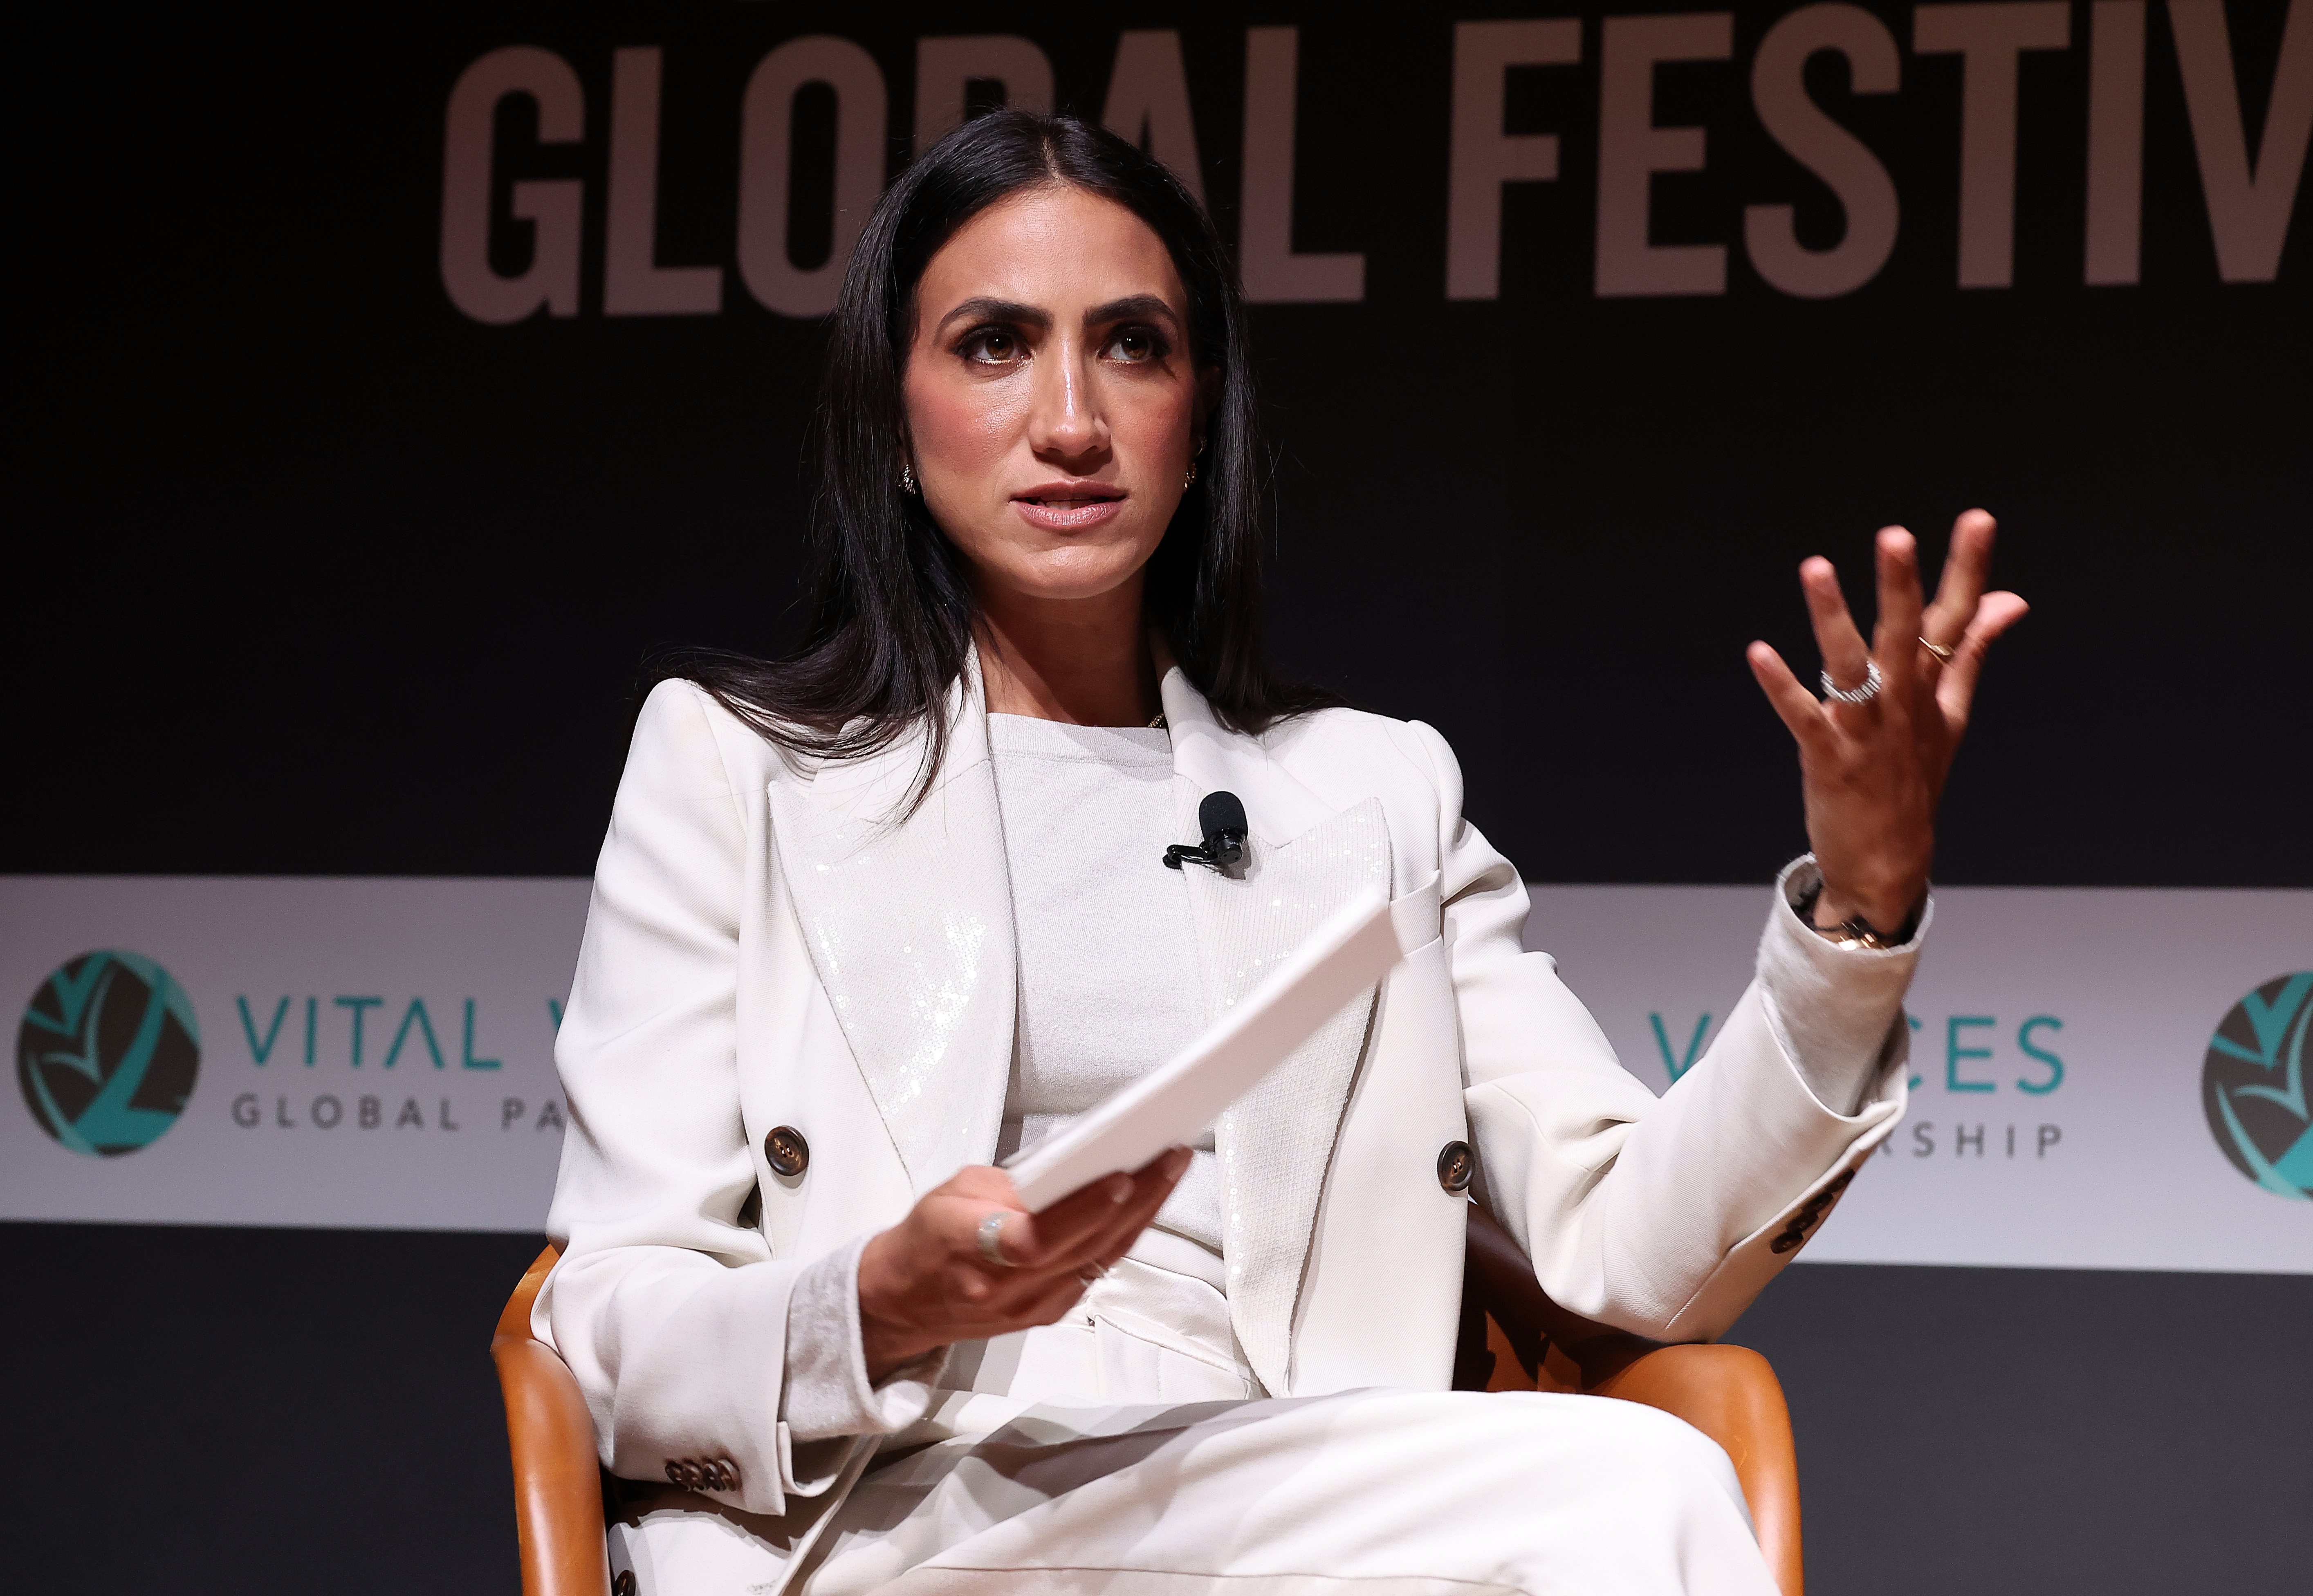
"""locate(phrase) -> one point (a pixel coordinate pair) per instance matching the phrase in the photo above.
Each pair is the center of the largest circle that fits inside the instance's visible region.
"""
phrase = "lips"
(1068, 493)
(1069, 506)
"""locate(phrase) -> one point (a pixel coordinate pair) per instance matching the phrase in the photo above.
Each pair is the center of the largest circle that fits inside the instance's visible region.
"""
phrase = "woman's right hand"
(924, 1284)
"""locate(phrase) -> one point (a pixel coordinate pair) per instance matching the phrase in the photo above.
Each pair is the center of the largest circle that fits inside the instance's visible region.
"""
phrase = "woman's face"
(1052, 403)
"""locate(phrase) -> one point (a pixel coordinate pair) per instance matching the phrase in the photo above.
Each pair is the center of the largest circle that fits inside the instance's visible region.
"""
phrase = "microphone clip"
(1221, 818)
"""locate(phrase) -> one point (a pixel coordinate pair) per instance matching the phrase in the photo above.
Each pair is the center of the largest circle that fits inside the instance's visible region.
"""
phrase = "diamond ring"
(1863, 694)
(991, 1239)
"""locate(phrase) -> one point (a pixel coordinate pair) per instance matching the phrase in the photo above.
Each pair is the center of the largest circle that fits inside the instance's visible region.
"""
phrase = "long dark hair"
(890, 605)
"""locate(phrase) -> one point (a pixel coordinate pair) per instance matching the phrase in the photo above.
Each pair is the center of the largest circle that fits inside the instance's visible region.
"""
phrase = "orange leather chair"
(1513, 1339)
(559, 1483)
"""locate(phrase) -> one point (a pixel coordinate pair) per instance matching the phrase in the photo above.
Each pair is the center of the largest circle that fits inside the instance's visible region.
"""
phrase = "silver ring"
(1863, 694)
(991, 1239)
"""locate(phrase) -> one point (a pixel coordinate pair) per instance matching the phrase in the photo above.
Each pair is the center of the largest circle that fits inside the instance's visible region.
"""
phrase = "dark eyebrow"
(1147, 306)
(984, 309)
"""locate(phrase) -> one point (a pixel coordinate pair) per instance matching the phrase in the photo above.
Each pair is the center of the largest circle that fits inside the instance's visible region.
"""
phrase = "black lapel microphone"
(1221, 818)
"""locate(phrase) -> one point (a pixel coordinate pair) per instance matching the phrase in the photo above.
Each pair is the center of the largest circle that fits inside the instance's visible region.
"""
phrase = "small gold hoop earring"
(906, 478)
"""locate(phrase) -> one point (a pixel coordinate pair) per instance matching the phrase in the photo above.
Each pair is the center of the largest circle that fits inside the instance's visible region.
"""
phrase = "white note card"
(1172, 1105)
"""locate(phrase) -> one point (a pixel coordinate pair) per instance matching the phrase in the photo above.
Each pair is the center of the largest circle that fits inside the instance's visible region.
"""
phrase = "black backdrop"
(365, 583)
(311, 572)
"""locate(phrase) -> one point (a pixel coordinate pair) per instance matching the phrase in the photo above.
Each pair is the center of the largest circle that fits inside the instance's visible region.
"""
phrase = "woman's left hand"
(1873, 772)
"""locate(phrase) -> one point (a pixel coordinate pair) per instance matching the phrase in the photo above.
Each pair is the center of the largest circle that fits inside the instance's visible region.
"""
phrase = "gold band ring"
(1943, 655)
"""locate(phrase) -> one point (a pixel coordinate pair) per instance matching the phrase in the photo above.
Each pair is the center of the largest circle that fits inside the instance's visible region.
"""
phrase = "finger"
(1157, 1181)
(1799, 707)
(1082, 1225)
(1994, 615)
(1966, 564)
(1050, 1302)
(1836, 638)
(1016, 1307)
(1896, 647)
(1032, 1241)
(1022, 1292)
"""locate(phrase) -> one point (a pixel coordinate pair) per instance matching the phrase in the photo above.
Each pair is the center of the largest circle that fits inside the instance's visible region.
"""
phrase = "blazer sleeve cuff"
(826, 1392)
(1833, 1011)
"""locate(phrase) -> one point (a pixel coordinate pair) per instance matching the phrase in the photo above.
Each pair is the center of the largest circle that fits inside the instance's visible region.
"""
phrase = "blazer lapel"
(1303, 860)
(909, 923)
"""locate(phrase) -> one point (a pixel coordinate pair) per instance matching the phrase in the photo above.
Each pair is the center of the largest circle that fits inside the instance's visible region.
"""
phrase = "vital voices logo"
(2253, 1085)
(107, 1053)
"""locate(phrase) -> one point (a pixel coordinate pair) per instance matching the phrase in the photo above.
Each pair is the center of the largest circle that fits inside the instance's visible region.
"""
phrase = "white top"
(1109, 987)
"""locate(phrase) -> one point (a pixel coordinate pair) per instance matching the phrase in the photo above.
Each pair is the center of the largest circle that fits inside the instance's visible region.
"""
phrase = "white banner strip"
(372, 1053)
(2100, 1078)
(2060, 1043)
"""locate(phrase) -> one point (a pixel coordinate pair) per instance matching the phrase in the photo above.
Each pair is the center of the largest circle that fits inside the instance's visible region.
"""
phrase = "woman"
(869, 919)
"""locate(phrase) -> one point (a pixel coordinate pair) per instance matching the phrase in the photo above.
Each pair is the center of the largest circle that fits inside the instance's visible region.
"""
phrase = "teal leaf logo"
(107, 1053)
(2253, 1086)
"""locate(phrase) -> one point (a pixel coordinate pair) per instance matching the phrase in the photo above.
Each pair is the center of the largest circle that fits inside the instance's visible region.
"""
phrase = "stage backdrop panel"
(364, 1053)
(2100, 1078)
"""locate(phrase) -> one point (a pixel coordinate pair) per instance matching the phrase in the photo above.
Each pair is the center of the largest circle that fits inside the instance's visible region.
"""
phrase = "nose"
(1066, 427)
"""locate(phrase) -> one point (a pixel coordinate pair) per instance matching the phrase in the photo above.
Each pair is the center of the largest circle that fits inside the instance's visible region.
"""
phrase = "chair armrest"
(1731, 1394)
(558, 1483)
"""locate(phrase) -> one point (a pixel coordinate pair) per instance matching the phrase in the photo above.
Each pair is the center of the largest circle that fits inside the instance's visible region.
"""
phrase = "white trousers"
(1017, 1488)
(1415, 1493)
(1389, 1493)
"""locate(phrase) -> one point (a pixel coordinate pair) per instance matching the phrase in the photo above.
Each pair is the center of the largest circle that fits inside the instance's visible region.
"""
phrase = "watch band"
(1857, 932)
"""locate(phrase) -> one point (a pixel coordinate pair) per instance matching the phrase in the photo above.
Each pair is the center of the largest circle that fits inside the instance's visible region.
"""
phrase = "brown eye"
(1134, 344)
(991, 346)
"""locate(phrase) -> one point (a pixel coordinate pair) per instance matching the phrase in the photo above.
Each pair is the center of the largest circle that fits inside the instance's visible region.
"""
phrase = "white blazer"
(764, 948)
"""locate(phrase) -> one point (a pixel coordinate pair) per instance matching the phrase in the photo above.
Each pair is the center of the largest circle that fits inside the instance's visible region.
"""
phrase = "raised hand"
(928, 1281)
(1872, 772)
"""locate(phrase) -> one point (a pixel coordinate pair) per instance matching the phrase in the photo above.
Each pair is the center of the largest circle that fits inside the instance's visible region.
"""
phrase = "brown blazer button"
(624, 1586)
(786, 1151)
(1456, 1164)
(674, 1471)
